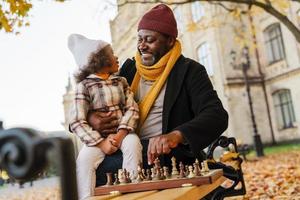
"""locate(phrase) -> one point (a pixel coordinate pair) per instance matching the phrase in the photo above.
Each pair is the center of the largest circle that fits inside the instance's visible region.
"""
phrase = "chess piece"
(174, 169)
(181, 170)
(206, 169)
(197, 168)
(143, 174)
(117, 182)
(153, 172)
(122, 177)
(139, 178)
(166, 172)
(157, 163)
(148, 176)
(186, 171)
(157, 175)
(191, 173)
(109, 179)
(127, 176)
(162, 174)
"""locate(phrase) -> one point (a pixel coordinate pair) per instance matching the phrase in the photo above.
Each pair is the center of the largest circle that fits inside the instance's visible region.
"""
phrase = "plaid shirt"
(94, 93)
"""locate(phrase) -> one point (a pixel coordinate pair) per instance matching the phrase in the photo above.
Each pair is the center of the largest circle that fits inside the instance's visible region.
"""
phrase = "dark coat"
(191, 105)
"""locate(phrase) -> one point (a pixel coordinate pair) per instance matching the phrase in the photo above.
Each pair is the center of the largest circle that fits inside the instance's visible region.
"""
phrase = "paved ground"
(45, 189)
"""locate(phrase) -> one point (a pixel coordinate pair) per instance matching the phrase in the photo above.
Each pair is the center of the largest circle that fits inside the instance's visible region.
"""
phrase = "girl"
(98, 89)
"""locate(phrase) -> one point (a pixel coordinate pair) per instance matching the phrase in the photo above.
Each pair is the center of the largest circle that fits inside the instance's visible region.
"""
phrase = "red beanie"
(160, 19)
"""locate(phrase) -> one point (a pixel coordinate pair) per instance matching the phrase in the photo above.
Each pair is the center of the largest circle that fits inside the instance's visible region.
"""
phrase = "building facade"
(218, 40)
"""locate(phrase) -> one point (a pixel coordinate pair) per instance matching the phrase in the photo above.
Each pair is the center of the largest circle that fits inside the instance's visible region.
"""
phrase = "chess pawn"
(196, 169)
(127, 176)
(139, 178)
(174, 169)
(157, 163)
(117, 182)
(162, 174)
(205, 165)
(148, 176)
(109, 179)
(181, 170)
(166, 172)
(186, 171)
(121, 176)
(157, 175)
(152, 173)
(143, 174)
(191, 173)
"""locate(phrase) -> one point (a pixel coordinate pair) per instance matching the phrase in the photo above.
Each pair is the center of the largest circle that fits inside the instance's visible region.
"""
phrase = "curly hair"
(97, 60)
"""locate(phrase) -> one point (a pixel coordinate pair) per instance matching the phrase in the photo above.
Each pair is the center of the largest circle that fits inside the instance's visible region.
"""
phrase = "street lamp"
(244, 64)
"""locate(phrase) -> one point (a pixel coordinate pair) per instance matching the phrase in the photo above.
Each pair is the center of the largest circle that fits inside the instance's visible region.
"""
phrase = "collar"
(94, 76)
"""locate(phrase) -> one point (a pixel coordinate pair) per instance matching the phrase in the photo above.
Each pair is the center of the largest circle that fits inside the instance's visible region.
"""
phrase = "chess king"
(180, 112)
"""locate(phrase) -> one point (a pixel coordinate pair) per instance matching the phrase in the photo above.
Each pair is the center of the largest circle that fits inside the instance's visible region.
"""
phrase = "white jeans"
(89, 159)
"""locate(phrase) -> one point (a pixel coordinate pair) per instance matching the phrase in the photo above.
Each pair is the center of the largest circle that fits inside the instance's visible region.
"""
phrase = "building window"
(274, 43)
(197, 11)
(179, 19)
(204, 56)
(284, 109)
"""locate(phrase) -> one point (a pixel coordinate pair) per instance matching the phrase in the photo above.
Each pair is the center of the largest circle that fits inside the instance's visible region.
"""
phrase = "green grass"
(277, 149)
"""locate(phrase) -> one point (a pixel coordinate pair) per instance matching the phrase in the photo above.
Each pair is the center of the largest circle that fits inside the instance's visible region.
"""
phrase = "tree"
(14, 14)
(276, 8)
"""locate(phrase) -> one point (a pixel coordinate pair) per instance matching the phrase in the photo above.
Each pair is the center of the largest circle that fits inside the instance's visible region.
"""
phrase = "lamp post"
(244, 64)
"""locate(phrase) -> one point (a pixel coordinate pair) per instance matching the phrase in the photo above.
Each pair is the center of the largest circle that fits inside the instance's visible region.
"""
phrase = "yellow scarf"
(158, 73)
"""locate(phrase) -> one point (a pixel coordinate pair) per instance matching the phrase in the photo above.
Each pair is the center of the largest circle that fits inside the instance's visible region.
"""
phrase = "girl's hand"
(118, 138)
(107, 147)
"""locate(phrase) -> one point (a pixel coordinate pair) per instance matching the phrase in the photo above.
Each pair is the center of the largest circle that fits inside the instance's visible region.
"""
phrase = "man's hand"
(106, 145)
(163, 144)
(103, 122)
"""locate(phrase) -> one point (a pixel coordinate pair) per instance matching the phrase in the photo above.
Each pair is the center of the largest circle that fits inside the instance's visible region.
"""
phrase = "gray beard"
(153, 60)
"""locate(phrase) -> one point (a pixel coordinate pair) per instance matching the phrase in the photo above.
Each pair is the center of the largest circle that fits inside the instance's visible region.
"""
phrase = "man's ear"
(171, 42)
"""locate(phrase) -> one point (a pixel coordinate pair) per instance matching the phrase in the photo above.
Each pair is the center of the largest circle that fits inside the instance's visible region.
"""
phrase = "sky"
(35, 65)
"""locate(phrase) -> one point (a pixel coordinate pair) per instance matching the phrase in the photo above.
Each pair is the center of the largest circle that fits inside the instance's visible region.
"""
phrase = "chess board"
(173, 182)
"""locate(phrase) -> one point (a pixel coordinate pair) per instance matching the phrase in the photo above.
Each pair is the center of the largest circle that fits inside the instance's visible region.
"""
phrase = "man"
(180, 113)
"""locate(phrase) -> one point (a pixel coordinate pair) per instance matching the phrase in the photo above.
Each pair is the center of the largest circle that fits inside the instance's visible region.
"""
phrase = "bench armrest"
(232, 172)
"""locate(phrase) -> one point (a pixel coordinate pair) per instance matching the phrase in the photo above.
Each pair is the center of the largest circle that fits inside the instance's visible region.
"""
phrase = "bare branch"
(296, 1)
(265, 6)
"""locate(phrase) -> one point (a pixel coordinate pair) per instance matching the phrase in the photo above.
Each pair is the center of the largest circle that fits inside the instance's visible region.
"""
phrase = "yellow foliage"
(13, 13)
(281, 5)
(236, 13)
(4, 175)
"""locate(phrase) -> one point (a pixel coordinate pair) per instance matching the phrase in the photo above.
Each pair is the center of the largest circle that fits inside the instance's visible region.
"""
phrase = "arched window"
(197, 11)
(204, 56)
(274, 43)
(284, 108)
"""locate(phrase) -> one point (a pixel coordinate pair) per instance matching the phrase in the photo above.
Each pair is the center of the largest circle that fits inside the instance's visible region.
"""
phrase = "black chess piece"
(109, 179)
(181, 170)
(186, 171)
(148, 175)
